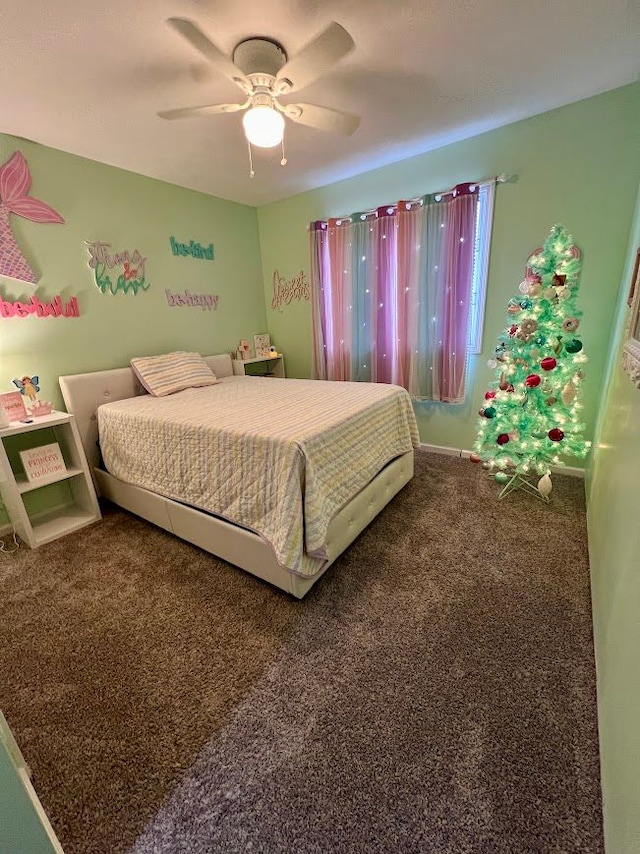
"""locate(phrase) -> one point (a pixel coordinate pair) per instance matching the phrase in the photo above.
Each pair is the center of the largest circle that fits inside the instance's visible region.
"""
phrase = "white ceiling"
(88, 77)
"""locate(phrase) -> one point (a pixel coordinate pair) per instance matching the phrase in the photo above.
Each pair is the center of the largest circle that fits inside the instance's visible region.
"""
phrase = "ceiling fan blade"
(323, 118)
(319, 56)
(220, 61)
(206, 110)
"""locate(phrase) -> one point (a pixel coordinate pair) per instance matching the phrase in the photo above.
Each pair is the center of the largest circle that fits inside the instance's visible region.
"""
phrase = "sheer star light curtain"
(398, 293)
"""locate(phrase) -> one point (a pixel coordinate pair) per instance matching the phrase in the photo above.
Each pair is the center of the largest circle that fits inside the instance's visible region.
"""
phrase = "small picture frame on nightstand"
(261, 345)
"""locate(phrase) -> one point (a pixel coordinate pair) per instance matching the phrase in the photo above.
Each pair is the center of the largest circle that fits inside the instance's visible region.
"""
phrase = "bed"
(274, 476)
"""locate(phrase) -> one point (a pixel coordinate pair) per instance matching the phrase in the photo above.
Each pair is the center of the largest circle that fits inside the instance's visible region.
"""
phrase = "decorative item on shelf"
(244, 350)
(41, 408)
(44, 463)
(4, 416)
(273, 352)
(13, 404)
(29, 388)
(15, 181)
(262, 345)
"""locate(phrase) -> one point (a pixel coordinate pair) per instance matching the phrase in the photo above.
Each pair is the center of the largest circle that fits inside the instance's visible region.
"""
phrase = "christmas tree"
(530, 414)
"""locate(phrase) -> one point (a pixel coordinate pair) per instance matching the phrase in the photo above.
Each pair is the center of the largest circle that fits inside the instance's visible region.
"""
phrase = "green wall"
(130, 212)
(577, 165)
(613, 480)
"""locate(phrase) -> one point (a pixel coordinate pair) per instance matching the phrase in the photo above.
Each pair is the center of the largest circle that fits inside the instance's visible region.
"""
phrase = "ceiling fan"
(261, 68)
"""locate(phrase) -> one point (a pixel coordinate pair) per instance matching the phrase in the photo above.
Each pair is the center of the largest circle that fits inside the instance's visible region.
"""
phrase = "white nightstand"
(272, 366)
(73, 497)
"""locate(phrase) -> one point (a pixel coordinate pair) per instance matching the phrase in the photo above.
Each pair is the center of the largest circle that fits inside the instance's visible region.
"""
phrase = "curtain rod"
(503, 178)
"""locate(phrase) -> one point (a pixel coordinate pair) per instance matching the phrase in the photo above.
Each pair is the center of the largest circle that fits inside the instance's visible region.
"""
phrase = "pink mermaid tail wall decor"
(15, 181)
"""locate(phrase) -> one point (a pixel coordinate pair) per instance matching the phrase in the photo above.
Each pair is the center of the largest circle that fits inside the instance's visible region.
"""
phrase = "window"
(398, 293)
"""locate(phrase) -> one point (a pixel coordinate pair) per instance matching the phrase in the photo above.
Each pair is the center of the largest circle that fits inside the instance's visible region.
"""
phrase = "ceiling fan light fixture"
(263, 126)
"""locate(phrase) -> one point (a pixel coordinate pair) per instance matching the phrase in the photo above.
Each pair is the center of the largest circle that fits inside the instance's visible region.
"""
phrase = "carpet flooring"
(434, 692)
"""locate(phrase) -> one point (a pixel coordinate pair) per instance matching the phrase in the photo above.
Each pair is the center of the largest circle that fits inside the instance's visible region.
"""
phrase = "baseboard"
(572, 471)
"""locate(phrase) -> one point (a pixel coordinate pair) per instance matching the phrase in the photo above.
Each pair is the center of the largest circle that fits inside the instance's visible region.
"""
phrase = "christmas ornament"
(489, 395)
(535, 290)
(501, 477)
(474, 458)
(570, 324)
(544, 485)
(538, 434)
(489, 412)
(548, 364)
(556, 434)
(573, 346)
(568, 393)
(559, 280)
(549, 293)
(532, 381)
(502, 439)
(491, 363)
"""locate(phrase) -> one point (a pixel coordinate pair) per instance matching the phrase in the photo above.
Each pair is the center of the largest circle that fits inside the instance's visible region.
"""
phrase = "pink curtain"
(391, 293)
(453, 289)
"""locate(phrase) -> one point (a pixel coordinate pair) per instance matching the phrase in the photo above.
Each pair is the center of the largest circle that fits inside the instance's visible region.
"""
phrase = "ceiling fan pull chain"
(283, 162)
(251, 172)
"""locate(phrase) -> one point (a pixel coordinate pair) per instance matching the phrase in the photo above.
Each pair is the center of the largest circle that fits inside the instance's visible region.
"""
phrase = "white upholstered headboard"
(84, 393)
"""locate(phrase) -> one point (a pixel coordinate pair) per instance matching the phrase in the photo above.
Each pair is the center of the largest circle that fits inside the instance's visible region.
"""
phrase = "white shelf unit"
(80, 505)
(274, 366)
(24, 825)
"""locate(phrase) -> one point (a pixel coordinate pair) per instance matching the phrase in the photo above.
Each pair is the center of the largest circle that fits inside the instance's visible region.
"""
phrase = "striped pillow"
(172, 372)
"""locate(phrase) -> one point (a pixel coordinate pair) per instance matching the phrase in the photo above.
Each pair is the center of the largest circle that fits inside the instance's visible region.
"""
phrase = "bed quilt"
(280, 457)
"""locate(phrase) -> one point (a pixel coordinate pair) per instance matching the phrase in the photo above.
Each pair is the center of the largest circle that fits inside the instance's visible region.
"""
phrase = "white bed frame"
(84, 393)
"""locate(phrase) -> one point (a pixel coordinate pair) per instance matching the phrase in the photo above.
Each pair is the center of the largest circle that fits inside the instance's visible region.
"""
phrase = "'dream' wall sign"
(287, 290)
(117, 271)
(15, 181)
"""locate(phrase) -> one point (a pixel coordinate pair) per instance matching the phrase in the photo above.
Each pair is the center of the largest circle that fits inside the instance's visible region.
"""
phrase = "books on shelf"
(44, 463)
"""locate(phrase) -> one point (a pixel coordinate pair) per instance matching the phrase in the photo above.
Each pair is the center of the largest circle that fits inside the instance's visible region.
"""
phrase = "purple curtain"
(391, 294)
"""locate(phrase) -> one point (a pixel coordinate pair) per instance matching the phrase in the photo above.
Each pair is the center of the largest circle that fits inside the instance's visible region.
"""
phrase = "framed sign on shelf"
(631, 349)
(261, 344)
(44, 464)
